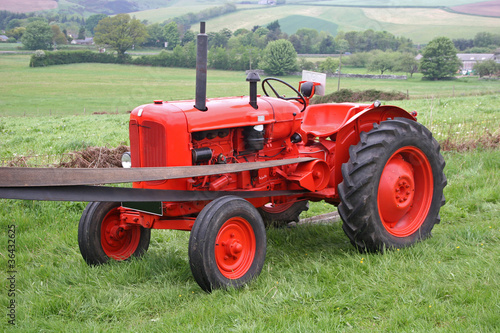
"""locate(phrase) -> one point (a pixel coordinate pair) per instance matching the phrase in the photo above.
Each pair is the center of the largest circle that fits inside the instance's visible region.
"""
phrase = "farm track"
(318, 219)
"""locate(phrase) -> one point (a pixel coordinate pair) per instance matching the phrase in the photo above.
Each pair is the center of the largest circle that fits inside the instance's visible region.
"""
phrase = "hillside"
(421, 20)
(83, 7)
(25, 6)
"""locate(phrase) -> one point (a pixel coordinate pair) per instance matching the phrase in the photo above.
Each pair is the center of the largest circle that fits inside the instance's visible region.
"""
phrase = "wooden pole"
(340, 71)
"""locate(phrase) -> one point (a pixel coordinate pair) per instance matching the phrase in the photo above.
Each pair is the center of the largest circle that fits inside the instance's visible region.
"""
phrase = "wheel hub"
(116, 241)
(232, 248)
(405, 191)
(397, 188)
(235, 248)
(116, 233)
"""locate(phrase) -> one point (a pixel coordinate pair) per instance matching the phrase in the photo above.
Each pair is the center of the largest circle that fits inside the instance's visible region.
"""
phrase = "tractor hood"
(227, 112)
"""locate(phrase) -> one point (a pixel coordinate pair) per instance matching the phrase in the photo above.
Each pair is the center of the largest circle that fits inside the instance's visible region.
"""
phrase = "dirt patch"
(486, 8)
(486, 141)
(95, 157)
(348, 95)
(26, 6)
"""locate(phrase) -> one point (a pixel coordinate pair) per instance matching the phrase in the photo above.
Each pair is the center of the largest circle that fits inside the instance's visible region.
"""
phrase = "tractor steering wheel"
(301, 99)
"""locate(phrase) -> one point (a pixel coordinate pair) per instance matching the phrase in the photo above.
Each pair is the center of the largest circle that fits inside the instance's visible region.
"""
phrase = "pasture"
(87, 88)
(313, 279)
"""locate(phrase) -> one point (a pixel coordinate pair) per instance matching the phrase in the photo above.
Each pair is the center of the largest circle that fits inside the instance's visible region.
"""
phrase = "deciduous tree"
(280, 58)
(156, 35)
(81, 33)
(93, 21)
(58, 37)
(383, 61)
(329, 65)
(172, 36)
(120, 32)
(407, 63)
(16, 33)
(439, 59)
(38, 35)
(486, 68)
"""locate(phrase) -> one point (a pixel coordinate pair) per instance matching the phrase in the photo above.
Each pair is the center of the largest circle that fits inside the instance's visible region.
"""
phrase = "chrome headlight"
(126, 160)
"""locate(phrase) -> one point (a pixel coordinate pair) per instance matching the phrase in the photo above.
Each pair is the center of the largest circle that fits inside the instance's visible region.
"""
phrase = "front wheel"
(101, 236)
(227, 245)
(393, 186)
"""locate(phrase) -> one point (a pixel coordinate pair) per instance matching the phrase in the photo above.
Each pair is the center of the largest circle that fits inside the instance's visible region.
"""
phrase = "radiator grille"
(153, 144)
(147, 144)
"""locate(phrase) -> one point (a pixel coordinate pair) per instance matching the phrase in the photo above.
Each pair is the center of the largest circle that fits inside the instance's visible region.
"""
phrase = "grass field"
(313, 279)
(73, 89)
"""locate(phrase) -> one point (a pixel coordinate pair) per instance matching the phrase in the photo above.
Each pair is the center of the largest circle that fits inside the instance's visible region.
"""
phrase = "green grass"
(73, 89)
(289, 24)
(87, 88)
(313, 279)
(54, 100)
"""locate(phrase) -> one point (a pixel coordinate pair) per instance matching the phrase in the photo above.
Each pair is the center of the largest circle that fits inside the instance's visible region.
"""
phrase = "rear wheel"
(279, 215)
(393, 186)
(101, 236)
(227, 246)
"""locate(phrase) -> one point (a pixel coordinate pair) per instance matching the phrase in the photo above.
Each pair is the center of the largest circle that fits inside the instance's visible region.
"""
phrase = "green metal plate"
(154, 207)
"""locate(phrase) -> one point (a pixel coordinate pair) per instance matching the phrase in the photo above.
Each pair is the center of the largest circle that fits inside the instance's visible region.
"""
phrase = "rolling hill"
(421, 20)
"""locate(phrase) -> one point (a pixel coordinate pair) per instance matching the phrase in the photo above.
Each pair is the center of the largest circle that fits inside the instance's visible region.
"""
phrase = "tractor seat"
(322, 120)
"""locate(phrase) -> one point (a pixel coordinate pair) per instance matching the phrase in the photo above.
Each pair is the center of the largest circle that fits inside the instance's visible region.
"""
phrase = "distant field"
(346, 18)
(24, 6)
(387, 3)
(419, 24)
(487, 8)
(162, 14)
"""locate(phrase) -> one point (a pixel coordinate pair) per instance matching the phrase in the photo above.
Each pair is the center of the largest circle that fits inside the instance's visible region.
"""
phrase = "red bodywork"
(232, 131)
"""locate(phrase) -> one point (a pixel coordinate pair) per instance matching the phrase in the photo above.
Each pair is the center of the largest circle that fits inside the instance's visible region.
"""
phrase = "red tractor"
(261, 159)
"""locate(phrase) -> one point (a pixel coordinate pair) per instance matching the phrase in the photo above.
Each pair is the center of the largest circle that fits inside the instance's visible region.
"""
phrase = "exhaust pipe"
(201, 69)
(253, 78)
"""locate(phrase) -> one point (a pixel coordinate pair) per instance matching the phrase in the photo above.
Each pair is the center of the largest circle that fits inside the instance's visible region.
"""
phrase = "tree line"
(264, 47)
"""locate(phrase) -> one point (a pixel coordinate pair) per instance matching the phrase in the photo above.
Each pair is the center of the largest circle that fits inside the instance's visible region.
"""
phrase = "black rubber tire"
(359, 207)
(283, 218)
(89, 234)
(202, 243)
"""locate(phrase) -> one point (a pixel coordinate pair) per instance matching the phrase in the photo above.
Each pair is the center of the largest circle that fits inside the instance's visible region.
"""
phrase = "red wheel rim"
(235, 248)
(277, 208)
(405, 191)
(118, 243)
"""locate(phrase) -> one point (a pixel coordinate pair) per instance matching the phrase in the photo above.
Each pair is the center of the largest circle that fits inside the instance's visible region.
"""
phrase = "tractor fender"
(349, 134)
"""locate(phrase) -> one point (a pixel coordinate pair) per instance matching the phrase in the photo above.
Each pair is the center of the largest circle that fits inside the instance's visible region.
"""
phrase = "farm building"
(3, 38)
(470, 59)
(86, 41)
